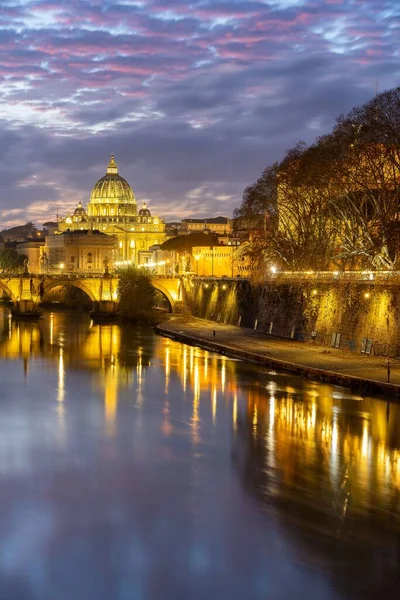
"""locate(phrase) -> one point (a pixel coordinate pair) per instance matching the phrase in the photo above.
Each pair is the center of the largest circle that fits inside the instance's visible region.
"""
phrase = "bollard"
(388, 371)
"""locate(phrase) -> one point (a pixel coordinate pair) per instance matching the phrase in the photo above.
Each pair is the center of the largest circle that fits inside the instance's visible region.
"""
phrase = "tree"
(11, 261)
(136, 294)
(258, 211)
(366, 165)
(257, 216)
(335, 203)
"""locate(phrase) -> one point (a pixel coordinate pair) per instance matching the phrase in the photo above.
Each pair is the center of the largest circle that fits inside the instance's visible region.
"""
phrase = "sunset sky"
(194, 98)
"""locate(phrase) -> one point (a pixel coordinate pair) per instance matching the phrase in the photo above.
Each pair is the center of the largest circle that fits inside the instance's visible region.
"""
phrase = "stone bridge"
(27, 291)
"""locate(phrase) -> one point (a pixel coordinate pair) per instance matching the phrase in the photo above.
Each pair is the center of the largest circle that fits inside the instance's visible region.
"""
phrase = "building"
(219, 225)
(78, 251)
(218, 261)
(112, 210)
(32, 249)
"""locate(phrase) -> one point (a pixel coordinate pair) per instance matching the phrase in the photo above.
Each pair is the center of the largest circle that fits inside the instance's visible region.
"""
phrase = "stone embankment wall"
(349, 314)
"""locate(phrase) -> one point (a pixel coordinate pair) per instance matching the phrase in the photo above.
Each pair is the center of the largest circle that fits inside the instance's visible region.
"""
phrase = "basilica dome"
(80, 211)
(112, 187)
(144, 211)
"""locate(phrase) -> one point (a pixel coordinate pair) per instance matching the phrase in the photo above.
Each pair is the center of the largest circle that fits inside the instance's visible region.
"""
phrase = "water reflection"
(131, 464)
(331, 469)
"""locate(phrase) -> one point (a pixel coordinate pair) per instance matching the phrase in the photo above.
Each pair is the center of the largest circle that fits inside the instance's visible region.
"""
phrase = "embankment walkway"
(318, 362)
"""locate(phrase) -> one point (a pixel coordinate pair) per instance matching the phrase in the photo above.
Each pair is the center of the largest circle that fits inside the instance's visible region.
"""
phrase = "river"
(133, 467)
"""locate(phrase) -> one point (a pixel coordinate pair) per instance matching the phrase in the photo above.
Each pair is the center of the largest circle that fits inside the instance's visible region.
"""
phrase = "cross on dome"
(112, 168)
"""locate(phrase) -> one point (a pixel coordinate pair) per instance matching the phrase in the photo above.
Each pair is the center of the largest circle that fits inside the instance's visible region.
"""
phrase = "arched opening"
(66, 296)
(162, 302)
(5, 294)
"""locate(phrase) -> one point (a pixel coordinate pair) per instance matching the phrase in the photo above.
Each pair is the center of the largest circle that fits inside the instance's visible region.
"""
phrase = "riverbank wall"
(359, 314)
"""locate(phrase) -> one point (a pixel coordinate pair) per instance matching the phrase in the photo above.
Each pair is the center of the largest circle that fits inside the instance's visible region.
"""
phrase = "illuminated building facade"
(32, 249)
(219, 225)
(78, 252)
(112, 210)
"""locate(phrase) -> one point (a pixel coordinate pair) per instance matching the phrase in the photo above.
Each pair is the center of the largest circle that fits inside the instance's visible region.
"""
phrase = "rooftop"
(213, 220)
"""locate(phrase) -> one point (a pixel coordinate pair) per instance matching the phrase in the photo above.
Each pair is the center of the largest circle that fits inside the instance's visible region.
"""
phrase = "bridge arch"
(55, 283)
(4, 287)
(160, 288)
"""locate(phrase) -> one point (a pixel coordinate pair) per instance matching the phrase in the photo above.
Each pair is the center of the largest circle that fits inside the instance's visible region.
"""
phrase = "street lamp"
(62, 266)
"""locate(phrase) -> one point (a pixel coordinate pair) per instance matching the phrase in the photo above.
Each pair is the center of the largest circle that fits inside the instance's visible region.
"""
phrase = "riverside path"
(327, 364)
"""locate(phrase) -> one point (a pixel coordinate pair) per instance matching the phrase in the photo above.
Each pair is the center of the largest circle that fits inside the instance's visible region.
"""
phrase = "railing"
(329, 276)
(58, 275)
(336, 275)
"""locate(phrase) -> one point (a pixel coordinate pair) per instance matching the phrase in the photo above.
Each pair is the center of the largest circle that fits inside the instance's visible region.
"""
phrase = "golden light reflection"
(350, 442)
(223, 375)
(110, 401)
(234, 412)
(255, 420)
(51, 329)
(295, 427)
(61, 377)
(167, 368)
(214, 403)
(364, 444)
(191, 358)
(271, 412)
(196, 398)
(184, 368)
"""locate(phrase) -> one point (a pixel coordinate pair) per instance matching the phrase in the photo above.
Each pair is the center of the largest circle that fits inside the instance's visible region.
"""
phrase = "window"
(90, 257)
(72, 259)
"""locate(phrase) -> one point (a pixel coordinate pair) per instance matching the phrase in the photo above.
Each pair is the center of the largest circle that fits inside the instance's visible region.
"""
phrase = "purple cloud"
(198, 95)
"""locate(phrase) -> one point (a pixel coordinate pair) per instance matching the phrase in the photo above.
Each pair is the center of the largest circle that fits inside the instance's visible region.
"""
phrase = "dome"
(80, 211)
(144, 211)
(112, 187)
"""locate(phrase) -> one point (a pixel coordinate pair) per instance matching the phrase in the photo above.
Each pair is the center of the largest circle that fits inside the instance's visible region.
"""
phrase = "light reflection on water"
(132, 466)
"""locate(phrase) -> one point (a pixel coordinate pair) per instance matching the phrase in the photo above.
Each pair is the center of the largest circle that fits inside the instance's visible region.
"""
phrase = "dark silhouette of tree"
(11, 261)
(137, 296)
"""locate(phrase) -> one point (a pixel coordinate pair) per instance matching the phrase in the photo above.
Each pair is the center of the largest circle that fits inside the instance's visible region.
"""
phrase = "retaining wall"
(361, 316)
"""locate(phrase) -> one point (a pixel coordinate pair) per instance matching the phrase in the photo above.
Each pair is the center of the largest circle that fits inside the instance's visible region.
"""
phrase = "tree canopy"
(334, 203)
(137, 296)
(11, 261)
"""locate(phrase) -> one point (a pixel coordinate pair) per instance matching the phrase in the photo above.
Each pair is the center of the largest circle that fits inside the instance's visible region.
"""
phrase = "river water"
(133, 467)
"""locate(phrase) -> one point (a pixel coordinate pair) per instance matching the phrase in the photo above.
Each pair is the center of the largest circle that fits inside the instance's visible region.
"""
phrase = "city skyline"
(194, 99)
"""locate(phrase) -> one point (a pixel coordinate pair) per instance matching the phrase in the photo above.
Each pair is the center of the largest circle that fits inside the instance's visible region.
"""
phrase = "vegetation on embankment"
(137, 297)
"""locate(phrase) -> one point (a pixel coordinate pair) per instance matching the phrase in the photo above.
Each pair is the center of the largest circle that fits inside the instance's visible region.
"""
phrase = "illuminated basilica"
(112, 210)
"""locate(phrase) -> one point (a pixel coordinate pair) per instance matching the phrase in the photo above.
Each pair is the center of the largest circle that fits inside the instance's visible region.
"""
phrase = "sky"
(194, 98)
